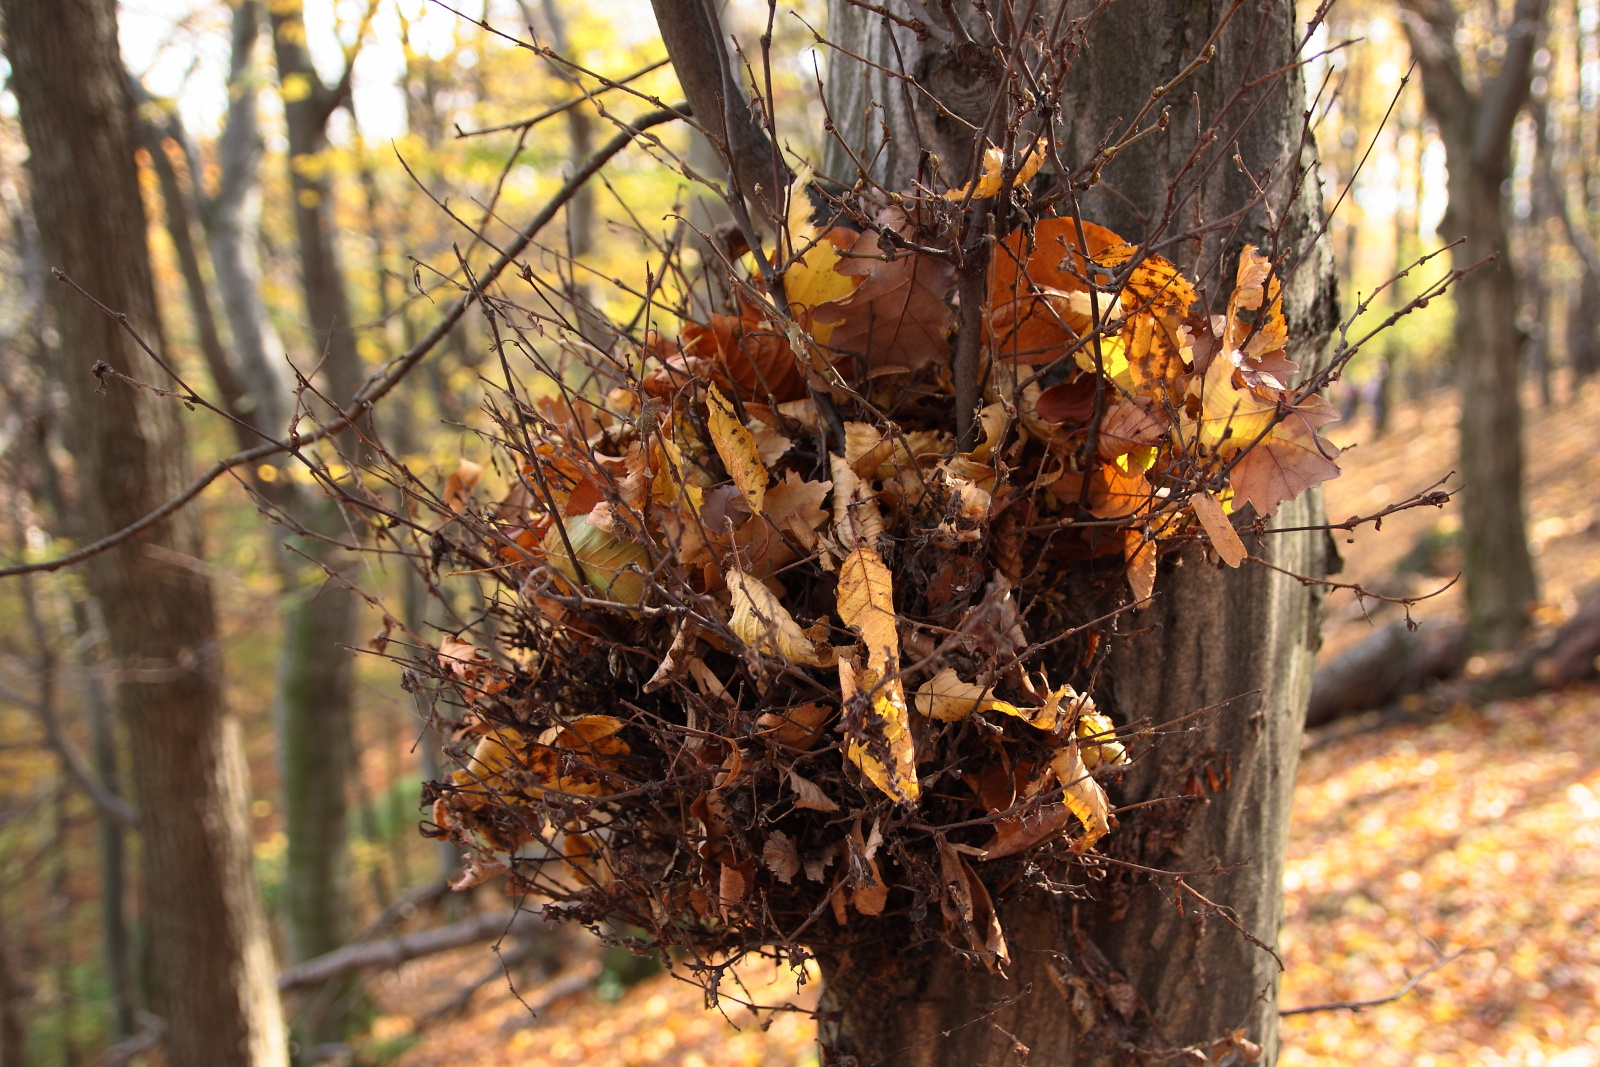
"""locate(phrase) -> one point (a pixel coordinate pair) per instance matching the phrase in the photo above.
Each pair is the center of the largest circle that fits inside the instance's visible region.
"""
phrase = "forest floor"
(1471, 840)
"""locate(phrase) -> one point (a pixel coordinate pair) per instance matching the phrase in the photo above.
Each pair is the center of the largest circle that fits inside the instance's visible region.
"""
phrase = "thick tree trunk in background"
(1249, 636)
(207, 936)
(1476, 131)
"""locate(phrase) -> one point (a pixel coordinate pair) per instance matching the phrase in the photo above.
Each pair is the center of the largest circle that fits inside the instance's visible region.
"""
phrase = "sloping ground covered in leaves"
(1478, 831)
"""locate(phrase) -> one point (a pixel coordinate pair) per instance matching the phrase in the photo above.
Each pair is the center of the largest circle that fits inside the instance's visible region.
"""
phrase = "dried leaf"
(615, 568)
(808, 794)
(746, 353)
(1139, 552)
(1018, 833)
(1224, 538)
(459, 485)
(799, 728)
(1029, 160)
(1256, 342)
(947, 698)
(479, 674)
(881, 744)
(761, 622)
(781, 857)
(797, 501)
(1128, 428)
(1082, 795)
(676, 661)
(897, 318)
(736, 446)
(866, 604)
(730, 886)
(856, 517)
(1292, 459)
(771, 445)
(868, 894)
(816, 866)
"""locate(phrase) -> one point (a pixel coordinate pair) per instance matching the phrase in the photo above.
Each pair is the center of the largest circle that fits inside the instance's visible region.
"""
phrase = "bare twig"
(379, 384)
(1360, 1005)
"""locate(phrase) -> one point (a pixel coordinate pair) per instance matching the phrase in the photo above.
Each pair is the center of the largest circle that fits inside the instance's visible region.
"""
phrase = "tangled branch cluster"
(781, 649)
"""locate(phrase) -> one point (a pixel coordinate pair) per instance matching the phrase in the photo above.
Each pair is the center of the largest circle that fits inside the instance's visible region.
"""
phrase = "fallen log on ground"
(393, 951)
(1395, 662)
(1391, 663)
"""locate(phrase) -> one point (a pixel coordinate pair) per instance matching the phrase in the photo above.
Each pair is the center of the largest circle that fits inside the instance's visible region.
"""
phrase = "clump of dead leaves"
(770, 654)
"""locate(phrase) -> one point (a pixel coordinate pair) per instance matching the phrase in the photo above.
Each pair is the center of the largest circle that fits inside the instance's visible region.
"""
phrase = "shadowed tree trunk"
(208, 938)
(1247, 637)
(1476, 130)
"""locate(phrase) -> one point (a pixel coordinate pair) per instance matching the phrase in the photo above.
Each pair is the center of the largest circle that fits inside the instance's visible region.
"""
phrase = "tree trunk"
(13, 1027)
(231, 394)
(314, 698)
(1476, 130)
(208, 938)
(113, 835)
(231, 219)
(1248, 636)
(1498, 568)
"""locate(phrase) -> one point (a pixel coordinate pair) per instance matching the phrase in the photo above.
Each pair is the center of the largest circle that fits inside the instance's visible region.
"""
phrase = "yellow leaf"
(1098, 735)
(1232, 416)
(761, 622)
(866, 604)
(1224, 538)
(736, 445)
(1083, 795)
(888, 720)
(1032, 158)
(674, 479)
(812, 279)
(947, 698)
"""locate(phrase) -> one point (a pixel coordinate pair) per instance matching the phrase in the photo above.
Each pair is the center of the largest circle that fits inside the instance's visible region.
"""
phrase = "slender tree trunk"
(231, 394)
(315, 702)
(1476, 130)
(208, 937)
(61, 925)
(13, 1027)
(113, 836)
(231, 219)
(1498, 568)
(1246, 636)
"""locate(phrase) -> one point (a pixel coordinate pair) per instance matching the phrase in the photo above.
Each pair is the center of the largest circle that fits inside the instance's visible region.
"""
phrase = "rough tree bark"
(207, 935)
(1476, 130)
(1248, 637)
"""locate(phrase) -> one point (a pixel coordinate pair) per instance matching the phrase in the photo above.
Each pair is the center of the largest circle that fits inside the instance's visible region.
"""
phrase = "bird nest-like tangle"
(774, 657)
